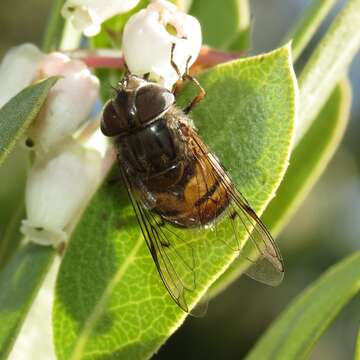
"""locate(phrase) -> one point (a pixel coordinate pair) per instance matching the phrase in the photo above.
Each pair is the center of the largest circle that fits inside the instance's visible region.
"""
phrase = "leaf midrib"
(98, 310)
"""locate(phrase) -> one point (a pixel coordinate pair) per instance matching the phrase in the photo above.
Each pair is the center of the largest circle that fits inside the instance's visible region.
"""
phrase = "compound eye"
(111, 123)
(151, 101)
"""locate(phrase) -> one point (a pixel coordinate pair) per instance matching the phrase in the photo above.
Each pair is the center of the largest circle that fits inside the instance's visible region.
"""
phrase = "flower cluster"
(148, 35)
(68, 155)
(88, 15)
(64, 171)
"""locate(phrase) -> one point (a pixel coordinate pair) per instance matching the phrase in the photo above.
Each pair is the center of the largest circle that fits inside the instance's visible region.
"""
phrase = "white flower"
(98, 141)
(57, 189)
(148, 38)
(88, 15)
(93, 138)
(18, 69)
(68, 104)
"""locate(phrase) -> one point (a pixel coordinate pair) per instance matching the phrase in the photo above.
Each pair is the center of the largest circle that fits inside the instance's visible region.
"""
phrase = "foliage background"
(322, 232)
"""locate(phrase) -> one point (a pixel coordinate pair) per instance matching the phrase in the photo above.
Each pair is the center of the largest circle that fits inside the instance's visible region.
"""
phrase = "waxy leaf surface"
(110, 302)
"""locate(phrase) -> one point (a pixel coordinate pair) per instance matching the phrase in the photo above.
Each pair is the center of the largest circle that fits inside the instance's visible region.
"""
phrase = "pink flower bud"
(69, 102)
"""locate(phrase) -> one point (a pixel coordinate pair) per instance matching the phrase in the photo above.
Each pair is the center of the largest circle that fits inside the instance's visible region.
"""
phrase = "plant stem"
(327, 64)
(103, 58)
(54, 28)
(70, 39)
(307, 25)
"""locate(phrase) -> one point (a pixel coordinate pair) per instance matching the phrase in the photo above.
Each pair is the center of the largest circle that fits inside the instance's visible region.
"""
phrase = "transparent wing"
(170, 246)
(265, 261)
(173, 256)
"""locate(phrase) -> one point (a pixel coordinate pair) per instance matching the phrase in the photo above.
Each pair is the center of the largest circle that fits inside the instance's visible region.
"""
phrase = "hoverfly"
(174, 181)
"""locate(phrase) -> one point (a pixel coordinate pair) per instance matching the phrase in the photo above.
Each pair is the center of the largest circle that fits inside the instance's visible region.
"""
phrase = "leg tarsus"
(184, 77)
(172, 62)
(198, 97)
(126, 69)
(178, 83)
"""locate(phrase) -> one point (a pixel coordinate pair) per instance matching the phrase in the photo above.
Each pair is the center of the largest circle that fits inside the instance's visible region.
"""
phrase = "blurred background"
(324, 230)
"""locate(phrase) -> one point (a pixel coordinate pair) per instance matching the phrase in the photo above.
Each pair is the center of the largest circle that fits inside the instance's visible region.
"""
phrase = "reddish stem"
(208, 57)
(107, 62)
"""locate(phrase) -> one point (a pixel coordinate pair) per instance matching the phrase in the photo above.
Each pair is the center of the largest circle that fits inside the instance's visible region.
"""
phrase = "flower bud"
(18, 69)
(99, 142)
(148, 38)
(68, 104)
(57, 189)
(88, 15)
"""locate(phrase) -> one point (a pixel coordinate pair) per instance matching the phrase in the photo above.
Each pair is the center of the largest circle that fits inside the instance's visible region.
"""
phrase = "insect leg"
(198, 97)
(184, 77)
(146, 76)
(201, 93)
(172, 62)
(176, 68)
(126, 69)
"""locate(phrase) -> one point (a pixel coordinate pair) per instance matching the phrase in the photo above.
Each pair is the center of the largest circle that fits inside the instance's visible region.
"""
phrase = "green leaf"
(328, 64)
(295, 332)
(306, 166)
(242, 40)
(110, 302)
(231, 16)
(19, 282)
(357, 349)
(17, 115)
(13, 177)
(308, 24)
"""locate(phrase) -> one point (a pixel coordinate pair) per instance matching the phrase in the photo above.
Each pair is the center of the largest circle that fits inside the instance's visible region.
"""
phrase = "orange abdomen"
(197, 199)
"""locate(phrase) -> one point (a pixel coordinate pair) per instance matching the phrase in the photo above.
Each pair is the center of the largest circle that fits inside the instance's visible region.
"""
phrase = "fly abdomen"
(198, 198)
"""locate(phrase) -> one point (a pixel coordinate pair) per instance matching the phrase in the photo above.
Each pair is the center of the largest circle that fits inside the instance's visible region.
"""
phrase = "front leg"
(201, 94)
